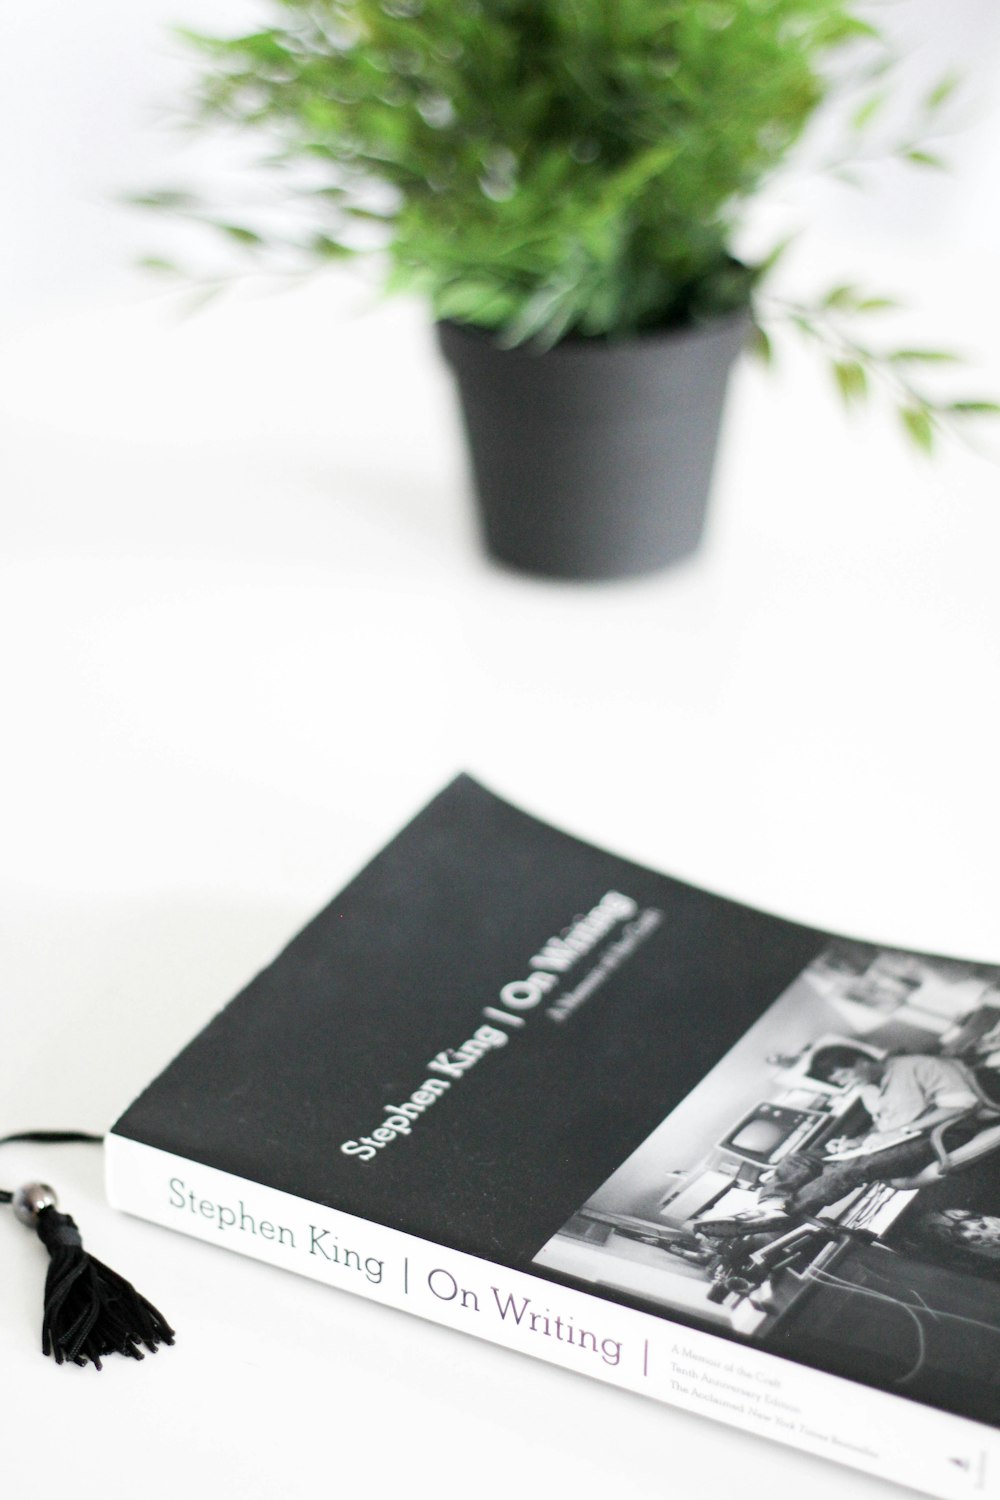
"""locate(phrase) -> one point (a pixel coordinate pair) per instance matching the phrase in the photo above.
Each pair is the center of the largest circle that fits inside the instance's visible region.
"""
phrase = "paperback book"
(544, 1095)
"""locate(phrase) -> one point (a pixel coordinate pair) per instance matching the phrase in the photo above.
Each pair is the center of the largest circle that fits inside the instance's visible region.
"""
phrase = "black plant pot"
(594, 459)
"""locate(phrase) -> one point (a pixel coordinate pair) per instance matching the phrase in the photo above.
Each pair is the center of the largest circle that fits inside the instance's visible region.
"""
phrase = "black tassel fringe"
(91, 1311)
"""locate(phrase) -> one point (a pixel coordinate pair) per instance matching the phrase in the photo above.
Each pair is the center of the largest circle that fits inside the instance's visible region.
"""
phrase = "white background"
(246, 630)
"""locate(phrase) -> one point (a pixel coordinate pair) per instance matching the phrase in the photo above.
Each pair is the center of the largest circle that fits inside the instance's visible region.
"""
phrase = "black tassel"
(90, 1311)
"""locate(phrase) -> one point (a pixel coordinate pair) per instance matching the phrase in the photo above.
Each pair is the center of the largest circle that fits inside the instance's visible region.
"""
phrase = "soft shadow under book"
(541, 1094)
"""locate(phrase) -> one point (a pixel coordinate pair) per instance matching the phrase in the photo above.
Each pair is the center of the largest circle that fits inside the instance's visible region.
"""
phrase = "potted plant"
(565, 182)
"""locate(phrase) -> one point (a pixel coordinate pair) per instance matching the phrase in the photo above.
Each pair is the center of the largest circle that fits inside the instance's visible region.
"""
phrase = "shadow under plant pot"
(594, 459)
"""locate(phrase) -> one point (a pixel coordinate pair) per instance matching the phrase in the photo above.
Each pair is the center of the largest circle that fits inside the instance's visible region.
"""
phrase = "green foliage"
(542, 168)
(537, 167)
(835, 323)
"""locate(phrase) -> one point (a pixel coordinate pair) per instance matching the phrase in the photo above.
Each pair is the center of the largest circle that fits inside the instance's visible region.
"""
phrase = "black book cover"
(507, 1042)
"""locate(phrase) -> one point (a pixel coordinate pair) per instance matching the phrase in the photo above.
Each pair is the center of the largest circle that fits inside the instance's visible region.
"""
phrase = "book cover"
(541, 1094)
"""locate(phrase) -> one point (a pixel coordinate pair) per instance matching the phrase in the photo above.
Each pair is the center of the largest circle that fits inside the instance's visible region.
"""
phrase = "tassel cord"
(47, 1138)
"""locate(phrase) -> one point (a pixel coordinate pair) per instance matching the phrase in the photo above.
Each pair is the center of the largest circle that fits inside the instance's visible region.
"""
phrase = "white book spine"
(890, 1436)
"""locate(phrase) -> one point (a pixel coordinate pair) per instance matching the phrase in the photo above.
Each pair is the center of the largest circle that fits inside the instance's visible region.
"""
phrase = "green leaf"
(848, 177)
(853, 26)
(942, 91)
(326, 248)
(265, 46)
(919, 426)
(158, 265)
(163, 198)
(330, 191)
(803, 324)
(921, 158)
(872, 106)
(878, 304)
(841, 298)
(851, 379)
(923, 357)
(239, 233)
(760, 345)
(975, 408)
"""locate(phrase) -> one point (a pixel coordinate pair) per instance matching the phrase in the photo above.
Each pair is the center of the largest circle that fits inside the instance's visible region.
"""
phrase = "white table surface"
(246, 631)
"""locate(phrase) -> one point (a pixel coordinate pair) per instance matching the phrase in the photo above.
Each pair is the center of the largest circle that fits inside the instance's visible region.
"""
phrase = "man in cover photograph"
(829, 1190)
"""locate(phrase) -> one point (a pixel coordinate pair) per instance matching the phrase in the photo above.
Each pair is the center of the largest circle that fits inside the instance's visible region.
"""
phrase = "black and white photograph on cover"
(831, 1189)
